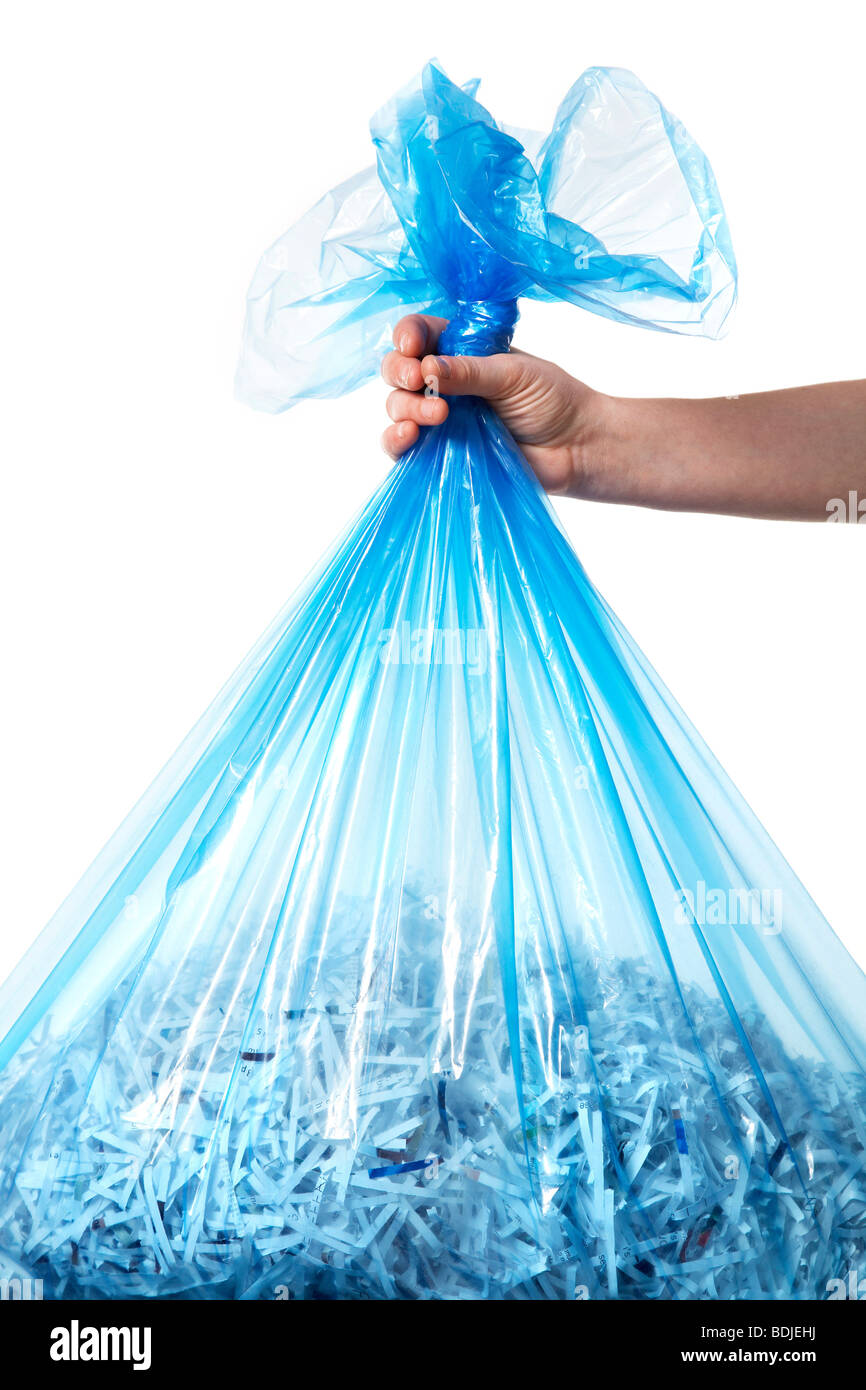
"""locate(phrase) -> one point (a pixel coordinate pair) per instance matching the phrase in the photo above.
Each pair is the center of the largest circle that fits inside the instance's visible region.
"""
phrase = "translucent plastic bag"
(443, 961)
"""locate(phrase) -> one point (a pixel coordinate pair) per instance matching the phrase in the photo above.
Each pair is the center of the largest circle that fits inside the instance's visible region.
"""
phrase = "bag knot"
(480, 328)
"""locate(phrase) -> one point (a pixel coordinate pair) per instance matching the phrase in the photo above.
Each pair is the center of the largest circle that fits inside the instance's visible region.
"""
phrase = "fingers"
(420, 409)
(418, 333)
(413, 365)
(398, 438)
(402, 371)
(414, 335)
(410, 411)
(491, 377)
(454, 376)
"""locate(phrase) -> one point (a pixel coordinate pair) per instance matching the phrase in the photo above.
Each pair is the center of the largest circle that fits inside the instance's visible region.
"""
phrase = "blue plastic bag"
(443, 961)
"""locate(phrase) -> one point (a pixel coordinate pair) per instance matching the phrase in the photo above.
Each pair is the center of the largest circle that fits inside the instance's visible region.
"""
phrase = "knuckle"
(389, 366)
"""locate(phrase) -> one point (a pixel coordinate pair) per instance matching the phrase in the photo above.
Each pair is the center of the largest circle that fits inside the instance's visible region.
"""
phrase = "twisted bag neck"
(616, 210)
(480, 328)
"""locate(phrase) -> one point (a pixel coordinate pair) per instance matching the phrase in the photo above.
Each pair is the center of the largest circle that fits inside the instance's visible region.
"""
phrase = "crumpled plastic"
(443, 961)
(617, 210)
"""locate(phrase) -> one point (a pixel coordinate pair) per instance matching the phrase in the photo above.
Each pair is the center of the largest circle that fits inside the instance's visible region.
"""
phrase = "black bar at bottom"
(392, 1344)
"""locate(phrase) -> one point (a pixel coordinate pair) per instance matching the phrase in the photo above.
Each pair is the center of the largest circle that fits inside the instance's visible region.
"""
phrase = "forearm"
(780, 454)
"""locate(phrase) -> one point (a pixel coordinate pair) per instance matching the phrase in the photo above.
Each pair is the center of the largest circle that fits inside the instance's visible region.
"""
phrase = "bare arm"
(781, 454)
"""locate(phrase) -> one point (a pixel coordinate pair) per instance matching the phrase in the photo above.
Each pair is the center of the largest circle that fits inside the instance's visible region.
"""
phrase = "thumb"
(489, 377)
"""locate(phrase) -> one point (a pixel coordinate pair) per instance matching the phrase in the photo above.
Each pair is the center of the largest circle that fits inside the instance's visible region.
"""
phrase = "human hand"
(556, 420)
(789, 454)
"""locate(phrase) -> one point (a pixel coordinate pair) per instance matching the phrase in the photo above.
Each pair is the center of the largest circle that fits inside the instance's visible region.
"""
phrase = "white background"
(152, 526)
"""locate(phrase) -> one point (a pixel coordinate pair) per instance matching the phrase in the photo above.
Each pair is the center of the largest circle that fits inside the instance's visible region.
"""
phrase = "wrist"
(598, 447)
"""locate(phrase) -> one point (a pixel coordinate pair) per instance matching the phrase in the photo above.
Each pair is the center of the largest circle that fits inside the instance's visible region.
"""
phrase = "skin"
(774, 454)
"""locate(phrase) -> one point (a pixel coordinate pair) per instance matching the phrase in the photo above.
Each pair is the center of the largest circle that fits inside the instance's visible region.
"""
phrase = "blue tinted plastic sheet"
(443, 961)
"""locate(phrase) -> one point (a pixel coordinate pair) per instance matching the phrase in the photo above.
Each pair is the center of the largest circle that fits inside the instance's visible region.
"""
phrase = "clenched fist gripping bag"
(443, 961)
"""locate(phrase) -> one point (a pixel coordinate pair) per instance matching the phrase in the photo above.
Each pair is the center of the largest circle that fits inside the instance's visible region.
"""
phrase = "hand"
(555, 419)
(795, 454)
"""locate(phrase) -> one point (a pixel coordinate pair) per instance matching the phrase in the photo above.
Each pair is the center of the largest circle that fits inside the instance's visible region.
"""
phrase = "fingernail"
(443, 366)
